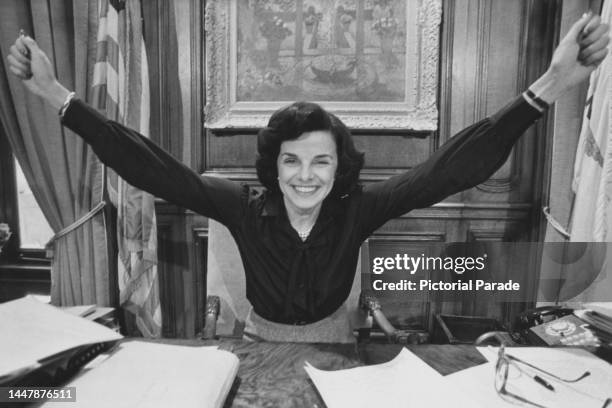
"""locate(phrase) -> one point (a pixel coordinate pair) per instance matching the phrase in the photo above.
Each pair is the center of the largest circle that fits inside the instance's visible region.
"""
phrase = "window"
(34, 229)
(24, 267)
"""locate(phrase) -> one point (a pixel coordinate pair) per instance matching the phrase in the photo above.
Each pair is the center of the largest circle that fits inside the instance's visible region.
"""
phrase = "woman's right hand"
(31, 64)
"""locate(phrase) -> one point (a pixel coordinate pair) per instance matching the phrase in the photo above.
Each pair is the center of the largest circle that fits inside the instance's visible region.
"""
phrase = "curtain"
(65, 176)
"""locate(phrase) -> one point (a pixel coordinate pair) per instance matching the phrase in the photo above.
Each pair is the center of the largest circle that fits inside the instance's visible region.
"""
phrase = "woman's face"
(306, 170)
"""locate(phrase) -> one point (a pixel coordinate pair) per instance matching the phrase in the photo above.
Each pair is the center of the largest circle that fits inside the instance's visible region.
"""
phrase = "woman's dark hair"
(291, 122)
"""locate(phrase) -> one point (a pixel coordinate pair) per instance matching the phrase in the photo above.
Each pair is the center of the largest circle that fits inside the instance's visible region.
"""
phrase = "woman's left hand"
(578, 54)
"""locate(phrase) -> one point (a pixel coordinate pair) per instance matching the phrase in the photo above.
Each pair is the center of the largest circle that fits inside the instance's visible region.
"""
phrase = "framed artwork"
(374, 63)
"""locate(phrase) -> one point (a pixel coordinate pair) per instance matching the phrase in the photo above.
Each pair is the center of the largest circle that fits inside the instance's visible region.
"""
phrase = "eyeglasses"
(512, 372)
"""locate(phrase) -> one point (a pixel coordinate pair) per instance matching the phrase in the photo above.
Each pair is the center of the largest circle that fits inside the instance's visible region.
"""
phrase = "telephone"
(544, 326)
(540, 315)
(554, 326)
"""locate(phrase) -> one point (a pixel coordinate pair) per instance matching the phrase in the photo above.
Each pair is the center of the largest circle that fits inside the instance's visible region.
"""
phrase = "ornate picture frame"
(374, 63)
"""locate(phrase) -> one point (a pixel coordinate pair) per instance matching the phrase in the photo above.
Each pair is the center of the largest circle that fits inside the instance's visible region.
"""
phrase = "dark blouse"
(287, 280)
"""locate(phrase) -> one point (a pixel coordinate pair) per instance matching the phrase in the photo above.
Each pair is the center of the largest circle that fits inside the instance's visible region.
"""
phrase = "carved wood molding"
(473, 211)
(165, 102)
(441, 211)
(167, 285)
(546, 17)
(429, 19)
(182, 244)
(403, 237)
(197, 90)
(502, 185)
(521, 82)
(493, 185)
(200, 263)
(249, 175)
(446, 74)
(483, 44)
(161, 40)
(478, 235)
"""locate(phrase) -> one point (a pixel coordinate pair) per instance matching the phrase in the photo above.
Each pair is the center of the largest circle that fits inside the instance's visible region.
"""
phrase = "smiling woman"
(300, 235)
(305, 153)
(306, 171)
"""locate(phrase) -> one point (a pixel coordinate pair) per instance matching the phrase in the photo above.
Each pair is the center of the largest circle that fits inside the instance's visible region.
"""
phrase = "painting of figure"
(325, 50)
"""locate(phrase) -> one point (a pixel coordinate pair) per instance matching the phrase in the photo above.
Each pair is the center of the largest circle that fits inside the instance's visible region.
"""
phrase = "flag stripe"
(112, 23)
(108, 51)
(120, 88)
(101, 99)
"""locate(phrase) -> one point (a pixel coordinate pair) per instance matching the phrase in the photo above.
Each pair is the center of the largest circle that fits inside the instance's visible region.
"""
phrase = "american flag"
(121, 90)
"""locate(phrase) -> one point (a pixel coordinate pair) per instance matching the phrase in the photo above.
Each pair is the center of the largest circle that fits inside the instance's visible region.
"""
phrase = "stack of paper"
(405, 381)
(150, 375)
(136, 374)
(33, 331)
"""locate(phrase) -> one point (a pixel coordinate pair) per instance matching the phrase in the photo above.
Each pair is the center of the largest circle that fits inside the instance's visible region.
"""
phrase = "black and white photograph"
(305, 203)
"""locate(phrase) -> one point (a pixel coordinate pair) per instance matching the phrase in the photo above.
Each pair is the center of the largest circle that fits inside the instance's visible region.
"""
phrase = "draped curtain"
(65, 176)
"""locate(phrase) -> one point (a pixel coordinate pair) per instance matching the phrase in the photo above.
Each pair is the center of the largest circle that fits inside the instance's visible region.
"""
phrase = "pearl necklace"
(305, 233)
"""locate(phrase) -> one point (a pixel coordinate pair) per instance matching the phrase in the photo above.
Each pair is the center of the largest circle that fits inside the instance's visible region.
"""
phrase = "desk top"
(272, 374)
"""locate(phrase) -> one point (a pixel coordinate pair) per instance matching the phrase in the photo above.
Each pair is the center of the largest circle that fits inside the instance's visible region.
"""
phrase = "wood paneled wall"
(490, 51)
(173, 38)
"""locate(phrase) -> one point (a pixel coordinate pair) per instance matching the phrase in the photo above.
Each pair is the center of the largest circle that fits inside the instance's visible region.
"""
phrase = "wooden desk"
(273, 375)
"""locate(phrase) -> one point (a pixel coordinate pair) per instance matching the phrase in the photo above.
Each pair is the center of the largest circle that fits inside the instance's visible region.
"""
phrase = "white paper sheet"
(405, 381)
(151, 375)
(32, 330)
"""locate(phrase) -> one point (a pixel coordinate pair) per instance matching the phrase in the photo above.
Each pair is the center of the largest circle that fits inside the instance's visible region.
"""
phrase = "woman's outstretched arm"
(135, 158)
(474, 154)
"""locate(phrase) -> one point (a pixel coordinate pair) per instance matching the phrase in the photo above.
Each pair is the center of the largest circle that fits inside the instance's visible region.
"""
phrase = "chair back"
(225, 278)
